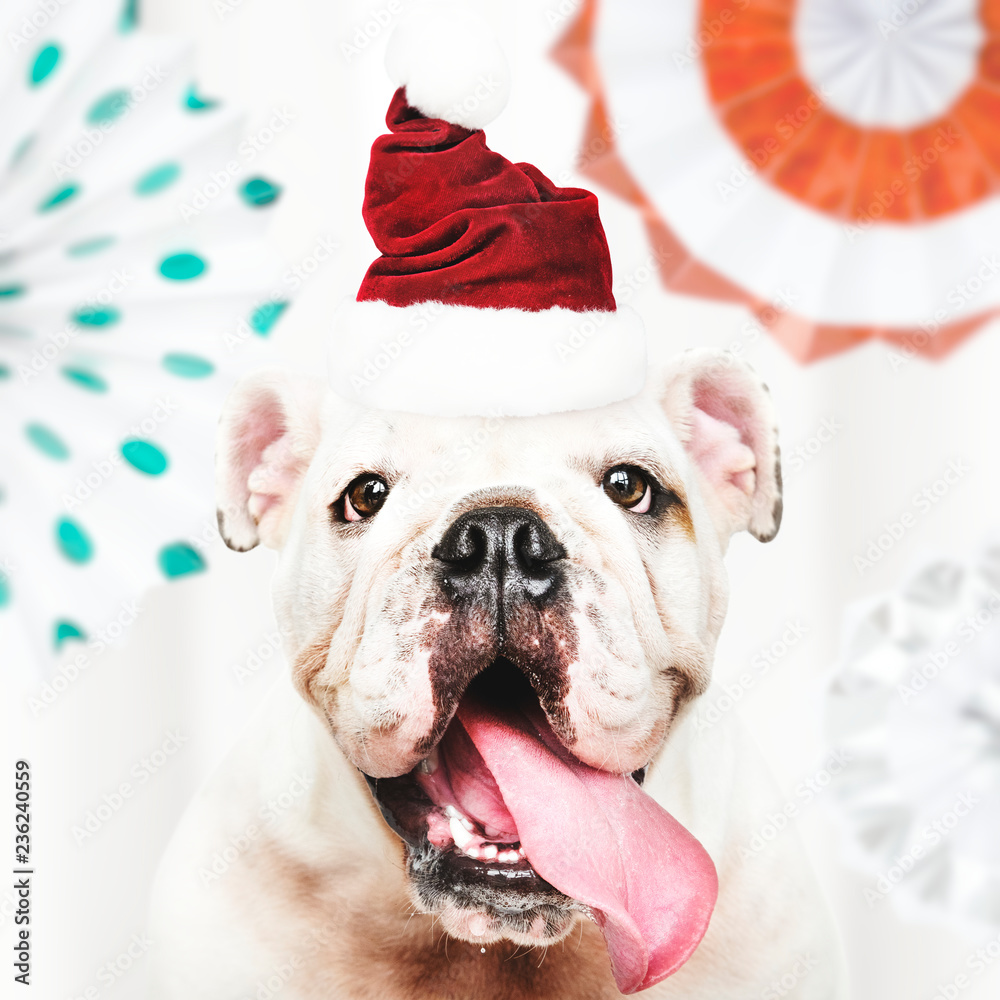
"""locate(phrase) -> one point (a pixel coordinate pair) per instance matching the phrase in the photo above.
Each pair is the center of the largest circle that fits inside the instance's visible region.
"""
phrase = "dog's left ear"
(723, 414)
(267, 436)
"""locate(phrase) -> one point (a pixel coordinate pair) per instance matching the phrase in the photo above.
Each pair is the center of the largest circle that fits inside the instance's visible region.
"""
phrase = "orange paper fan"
(832, 164)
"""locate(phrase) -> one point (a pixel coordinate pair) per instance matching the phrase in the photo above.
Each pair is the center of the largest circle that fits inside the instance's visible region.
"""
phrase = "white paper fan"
(916, 705)
(132, 263)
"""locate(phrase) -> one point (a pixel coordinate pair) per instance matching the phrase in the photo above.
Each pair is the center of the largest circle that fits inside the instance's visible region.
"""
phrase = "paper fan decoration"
(915, 705)
(832, 164)
(133, 273)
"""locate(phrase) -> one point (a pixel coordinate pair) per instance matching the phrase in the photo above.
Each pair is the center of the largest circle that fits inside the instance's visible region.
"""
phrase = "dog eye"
(629, 487)
(363, 497)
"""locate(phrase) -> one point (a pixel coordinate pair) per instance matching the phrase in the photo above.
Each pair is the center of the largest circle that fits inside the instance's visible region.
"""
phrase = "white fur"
(451, 361)
(355, 607)
(450, 63)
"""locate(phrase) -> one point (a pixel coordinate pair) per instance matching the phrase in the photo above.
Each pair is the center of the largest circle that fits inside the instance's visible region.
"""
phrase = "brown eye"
(364, 497)
(629, 488)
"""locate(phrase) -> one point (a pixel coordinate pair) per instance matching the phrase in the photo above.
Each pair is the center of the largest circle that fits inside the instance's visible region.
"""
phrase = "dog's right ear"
(267, 436)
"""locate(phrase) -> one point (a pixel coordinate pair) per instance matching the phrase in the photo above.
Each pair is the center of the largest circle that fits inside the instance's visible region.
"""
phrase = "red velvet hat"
(493, 294)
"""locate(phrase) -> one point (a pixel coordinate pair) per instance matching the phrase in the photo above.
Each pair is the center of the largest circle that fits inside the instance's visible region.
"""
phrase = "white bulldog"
(496, 629)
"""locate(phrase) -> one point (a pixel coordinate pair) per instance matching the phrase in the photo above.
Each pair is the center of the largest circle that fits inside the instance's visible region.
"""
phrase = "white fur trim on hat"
(450, 63)
(449, 360)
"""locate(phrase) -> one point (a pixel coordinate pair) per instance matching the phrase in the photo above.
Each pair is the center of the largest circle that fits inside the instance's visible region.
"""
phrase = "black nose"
(500, 552)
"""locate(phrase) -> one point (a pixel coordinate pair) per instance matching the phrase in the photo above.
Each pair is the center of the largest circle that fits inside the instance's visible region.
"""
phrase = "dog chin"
(487, 926)
(461, 893)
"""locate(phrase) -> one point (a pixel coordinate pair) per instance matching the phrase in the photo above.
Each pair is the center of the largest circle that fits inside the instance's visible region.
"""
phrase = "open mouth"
(508, 826)
(451, 813)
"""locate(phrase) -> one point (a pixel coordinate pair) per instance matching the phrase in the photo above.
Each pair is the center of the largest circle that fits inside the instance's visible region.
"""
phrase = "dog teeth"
(430, 763)
(456, 817)
(470, 842)
(462, 836)
(484, 852)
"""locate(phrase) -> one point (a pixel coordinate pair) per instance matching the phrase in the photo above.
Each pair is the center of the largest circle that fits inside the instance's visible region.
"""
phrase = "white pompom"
(451, 64)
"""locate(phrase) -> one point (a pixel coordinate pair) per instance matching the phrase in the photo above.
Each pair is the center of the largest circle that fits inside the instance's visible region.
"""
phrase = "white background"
(899, 431)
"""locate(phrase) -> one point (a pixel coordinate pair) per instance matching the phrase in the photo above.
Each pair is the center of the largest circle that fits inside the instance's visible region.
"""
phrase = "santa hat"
(493, 292)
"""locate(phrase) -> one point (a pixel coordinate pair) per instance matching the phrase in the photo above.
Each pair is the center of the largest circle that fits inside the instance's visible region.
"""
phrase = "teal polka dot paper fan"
(136, 283)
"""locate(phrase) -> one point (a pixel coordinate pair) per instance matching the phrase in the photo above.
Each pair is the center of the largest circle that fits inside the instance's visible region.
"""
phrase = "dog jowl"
(501, 638)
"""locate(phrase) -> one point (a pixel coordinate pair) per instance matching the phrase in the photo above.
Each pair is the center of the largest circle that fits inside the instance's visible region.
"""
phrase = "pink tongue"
(600, 839)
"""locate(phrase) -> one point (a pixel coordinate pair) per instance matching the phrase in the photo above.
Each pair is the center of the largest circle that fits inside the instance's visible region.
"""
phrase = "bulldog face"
(435, 571)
